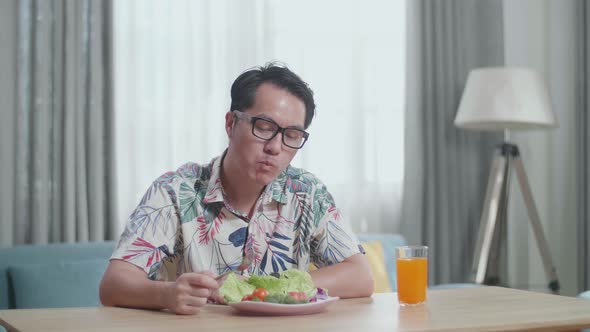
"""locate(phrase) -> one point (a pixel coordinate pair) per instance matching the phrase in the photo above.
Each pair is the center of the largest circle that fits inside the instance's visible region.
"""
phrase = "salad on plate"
(287, 287)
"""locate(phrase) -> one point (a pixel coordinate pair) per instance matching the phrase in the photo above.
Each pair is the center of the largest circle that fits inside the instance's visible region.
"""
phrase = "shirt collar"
(276, 190)
(214, 191)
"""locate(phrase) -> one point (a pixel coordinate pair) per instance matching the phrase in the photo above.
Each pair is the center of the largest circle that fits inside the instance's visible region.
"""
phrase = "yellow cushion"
(374, 254)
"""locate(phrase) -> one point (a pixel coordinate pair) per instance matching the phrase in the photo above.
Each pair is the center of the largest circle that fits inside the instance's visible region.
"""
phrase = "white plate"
(275, 309)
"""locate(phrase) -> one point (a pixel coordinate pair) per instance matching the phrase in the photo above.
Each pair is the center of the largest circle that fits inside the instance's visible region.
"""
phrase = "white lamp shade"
(505, 98)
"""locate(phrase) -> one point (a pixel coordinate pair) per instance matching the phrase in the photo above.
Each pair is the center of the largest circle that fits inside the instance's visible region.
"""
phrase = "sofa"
(53, 275)
(586, 296)
(68, 274)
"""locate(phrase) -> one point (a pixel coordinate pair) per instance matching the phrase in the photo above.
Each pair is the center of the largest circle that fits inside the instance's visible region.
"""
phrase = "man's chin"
(265, 179)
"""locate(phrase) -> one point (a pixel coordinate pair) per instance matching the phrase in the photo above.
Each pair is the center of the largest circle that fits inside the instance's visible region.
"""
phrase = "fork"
(246, 261)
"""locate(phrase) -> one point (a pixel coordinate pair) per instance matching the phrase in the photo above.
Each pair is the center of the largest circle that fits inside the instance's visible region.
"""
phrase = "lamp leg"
(489, 217)
(535, 221)
(497, 261)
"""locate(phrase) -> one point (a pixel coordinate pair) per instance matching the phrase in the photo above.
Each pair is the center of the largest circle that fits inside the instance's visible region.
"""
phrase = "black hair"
(243, 90)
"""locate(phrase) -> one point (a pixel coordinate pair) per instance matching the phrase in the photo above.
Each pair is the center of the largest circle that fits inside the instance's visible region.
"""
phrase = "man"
(247, 206)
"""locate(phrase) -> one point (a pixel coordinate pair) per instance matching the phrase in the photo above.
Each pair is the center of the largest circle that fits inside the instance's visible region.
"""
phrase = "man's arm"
(349, 278)
(126, 285)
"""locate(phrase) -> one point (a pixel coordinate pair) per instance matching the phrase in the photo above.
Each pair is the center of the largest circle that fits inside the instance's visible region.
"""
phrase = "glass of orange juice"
(412, 274)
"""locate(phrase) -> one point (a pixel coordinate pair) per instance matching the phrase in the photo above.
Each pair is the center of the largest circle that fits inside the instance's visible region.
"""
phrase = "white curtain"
(175, 62)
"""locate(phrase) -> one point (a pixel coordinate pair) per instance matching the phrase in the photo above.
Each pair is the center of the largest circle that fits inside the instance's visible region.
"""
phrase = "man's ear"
(229, 123)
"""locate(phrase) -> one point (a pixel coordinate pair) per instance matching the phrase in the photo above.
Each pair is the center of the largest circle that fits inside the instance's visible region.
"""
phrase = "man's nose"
(274, 145)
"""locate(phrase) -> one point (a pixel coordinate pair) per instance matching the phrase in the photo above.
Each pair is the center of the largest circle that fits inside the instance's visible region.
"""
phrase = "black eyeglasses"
(267, 129)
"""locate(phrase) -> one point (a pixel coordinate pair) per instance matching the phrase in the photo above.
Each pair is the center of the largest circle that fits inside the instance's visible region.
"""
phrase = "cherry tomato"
(260, 293)
(247, 298)
(298, 296)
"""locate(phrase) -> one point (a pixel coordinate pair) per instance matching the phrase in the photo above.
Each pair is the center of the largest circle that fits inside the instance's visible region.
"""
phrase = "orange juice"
(412, 275)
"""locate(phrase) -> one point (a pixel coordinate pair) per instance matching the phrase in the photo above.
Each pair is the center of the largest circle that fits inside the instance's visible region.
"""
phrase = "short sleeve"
(333, 240)
(150, 232)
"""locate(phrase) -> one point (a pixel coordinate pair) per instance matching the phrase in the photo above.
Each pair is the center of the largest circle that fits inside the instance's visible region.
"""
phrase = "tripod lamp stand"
(505, 99)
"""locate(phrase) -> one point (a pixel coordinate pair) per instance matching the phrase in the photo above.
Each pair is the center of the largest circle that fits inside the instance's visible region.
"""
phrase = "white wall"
(540, 35)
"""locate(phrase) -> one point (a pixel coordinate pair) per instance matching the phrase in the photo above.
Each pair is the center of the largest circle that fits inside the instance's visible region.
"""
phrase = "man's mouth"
(267, 163)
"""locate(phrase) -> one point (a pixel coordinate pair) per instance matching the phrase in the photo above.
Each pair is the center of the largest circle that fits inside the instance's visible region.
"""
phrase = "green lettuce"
(233, 289)
(287, 281)
(299, 281)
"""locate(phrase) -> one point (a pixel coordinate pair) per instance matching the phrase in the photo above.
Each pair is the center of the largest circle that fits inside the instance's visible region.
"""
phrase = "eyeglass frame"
(253, 119)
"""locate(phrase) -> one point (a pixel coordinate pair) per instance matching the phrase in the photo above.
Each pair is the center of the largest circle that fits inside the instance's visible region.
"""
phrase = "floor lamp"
(505, 99)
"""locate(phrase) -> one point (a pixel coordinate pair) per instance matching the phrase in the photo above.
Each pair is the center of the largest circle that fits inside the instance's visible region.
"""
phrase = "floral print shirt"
(183, 224)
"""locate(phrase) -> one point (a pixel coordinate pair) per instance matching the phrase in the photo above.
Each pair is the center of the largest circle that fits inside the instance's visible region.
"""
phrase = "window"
(175, 62)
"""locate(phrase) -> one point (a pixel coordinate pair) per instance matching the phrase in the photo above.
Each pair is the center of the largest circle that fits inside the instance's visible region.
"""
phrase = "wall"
(8, 38)
(540, 35)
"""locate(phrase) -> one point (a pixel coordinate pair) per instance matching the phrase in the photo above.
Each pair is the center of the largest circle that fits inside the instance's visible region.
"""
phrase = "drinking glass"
(412, 274)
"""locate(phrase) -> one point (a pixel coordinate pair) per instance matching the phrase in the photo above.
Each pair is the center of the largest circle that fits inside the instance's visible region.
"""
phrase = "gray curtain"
(60, 123)
(446, 168)
(583, 147)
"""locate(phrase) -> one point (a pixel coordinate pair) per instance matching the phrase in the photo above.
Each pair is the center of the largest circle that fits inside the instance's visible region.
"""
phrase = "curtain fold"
(446, 168)
(583, 139)
(63, 156)
(8, 56)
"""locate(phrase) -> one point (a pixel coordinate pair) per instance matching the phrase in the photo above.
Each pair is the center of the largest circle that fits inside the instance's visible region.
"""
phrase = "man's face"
(262, 161)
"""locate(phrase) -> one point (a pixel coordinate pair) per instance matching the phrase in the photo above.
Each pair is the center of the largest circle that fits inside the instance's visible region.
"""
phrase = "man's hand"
(189, 293)
(215, 297)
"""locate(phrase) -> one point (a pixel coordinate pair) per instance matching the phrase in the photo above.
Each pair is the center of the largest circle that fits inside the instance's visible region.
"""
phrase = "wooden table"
(466, 309)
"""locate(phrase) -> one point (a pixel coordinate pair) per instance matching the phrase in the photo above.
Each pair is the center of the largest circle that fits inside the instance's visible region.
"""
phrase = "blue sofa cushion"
(65, 284)
(45, 254)
(585, 295)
